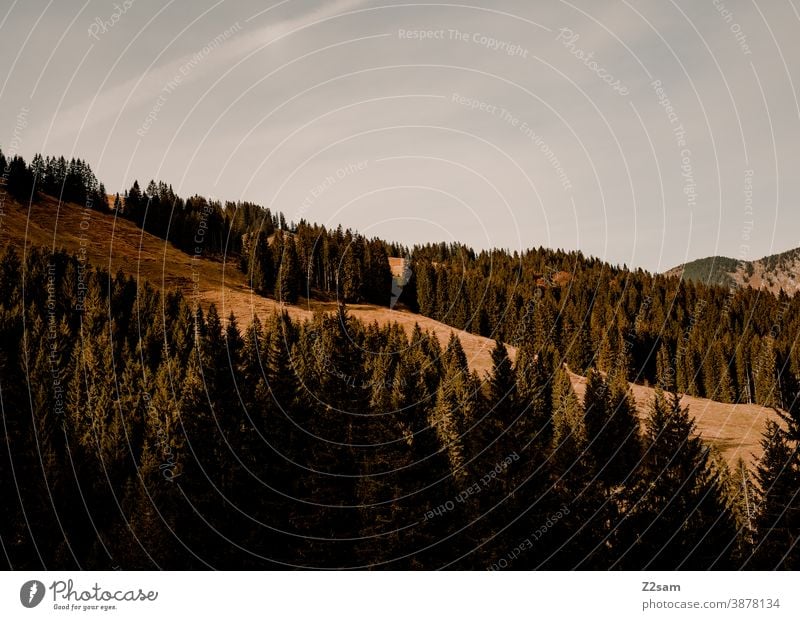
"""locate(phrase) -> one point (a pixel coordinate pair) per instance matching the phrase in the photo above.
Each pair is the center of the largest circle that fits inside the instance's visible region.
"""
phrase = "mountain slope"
(774, 273)
(117, 244)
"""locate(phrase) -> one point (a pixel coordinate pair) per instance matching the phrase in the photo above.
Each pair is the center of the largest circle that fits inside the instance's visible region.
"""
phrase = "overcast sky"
(510, 124)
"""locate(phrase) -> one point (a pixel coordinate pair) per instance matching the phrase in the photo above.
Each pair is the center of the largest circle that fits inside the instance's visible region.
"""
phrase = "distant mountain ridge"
(775, 273)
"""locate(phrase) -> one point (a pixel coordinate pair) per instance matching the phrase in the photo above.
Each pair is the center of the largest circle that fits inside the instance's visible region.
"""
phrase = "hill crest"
(774, 273)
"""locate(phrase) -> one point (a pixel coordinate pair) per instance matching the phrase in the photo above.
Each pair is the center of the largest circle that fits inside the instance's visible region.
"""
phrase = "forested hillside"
(726, 343)
(160, 437)
(143, 430)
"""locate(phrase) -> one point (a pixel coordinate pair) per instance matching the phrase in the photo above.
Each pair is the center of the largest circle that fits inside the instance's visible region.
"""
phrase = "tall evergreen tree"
(665, 372)
(675, 513)
(765, 375)
(778, 518)
(261, 265)
(289, 277)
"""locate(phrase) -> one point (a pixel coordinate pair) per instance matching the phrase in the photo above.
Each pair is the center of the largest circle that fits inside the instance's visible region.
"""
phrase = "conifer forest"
(144, 430)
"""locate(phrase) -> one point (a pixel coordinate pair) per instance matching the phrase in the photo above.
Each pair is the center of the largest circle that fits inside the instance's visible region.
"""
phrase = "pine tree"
(612, 423)
(10, 281)
(569, 431)
(201, 461)
(442, 295)
(596, 414)
(427, 477)
(665, 372)
(490, 442)
(261, 265)
(623, 433)
(289, 277)
(687, 372)
(456, 407)
(577, 498)
(522, 497)
(134, 204)
(744, 374)
(282, 382)
(676, 516)
(741, 493)
(424, 278)
(231, 415)
(502, 386)
(765, 375)
(605, 354)
(778, 516)
(351, 279)
(579, 348)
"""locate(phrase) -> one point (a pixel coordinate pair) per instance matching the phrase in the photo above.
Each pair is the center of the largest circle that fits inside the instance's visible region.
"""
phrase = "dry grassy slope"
(118, 244)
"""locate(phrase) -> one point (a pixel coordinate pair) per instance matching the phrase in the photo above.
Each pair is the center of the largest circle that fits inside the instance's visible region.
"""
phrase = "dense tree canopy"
(151, 433)
(195, 442)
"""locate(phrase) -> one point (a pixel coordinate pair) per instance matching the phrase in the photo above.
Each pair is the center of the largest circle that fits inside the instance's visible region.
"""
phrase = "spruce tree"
(261, 265)
(623, 434)
(685, 372)
(442, 295)
(569, 431)
(572, 541)
(455, 408)
(596, 405)
(579, 348)
(778, 516)
(289, 277)
(424, 278)
(765, 375)
(502, 387)
(676, 516)
(665, 372)
(352, 274)
(744, 374)
(716, 374)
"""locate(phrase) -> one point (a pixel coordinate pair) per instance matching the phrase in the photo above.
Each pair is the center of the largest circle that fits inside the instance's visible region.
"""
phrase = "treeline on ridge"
(284, 260)
(731, 344)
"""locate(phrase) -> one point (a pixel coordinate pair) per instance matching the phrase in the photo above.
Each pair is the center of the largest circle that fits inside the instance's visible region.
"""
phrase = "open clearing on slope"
(115, 244)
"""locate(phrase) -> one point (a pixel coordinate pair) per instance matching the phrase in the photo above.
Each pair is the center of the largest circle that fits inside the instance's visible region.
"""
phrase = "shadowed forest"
(144, 431)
